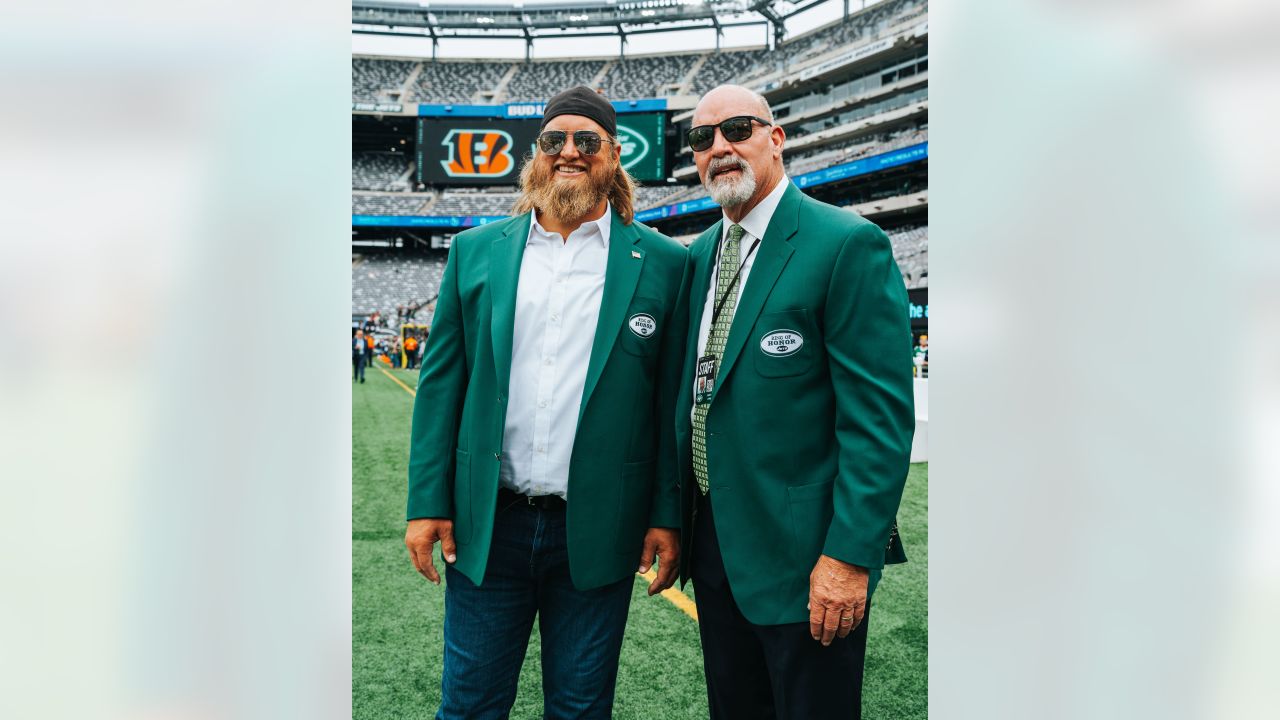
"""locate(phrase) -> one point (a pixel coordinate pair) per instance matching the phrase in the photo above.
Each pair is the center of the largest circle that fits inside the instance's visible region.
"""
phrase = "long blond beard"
(565, 200)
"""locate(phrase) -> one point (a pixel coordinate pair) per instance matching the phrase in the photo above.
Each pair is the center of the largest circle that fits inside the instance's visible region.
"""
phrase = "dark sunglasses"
(552, 142)
(735, 130)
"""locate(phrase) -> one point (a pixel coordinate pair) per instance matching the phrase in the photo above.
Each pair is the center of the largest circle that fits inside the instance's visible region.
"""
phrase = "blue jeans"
(486, 627)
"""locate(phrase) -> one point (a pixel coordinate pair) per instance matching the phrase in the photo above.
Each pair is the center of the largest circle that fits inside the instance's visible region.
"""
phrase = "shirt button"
(548, 361)
(542, 403)
(539, 448)
(555, 318)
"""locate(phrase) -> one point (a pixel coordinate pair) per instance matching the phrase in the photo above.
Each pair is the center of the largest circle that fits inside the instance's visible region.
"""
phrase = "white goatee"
(727, 191)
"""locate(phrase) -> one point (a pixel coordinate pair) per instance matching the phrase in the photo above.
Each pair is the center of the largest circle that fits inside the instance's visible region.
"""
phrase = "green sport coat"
(623, 476)
(807, 446)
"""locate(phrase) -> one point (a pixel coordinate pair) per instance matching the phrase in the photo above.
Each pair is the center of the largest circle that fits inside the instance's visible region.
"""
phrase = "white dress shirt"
(557, 310)
(754, 226)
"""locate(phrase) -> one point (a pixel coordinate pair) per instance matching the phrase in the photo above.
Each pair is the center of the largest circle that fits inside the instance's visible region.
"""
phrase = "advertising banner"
(490, 151)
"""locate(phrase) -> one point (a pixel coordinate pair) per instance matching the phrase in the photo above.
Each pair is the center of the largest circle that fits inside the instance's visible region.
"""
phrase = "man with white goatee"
(794, 429)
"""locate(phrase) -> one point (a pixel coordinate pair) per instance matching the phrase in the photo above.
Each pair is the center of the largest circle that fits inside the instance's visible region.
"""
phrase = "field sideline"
(397, 615)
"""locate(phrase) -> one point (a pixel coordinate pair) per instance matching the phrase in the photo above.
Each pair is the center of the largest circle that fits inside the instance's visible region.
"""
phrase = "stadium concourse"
(428, 138)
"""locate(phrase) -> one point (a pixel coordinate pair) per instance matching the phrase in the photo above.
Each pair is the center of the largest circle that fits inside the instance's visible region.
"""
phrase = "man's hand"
(837, 598)
(665, 543)
(421, 536)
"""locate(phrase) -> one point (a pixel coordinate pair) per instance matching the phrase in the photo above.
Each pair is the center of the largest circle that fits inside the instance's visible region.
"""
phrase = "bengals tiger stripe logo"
(478, 154)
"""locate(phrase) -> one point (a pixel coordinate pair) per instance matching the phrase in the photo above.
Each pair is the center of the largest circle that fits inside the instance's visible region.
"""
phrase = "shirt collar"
(602, 226)
(756, 223)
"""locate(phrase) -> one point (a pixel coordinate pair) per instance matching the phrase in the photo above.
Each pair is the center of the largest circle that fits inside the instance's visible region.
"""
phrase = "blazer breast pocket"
(642, 329)
(784, 343)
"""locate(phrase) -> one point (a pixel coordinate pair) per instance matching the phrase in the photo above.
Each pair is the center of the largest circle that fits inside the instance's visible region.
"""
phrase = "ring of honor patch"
(642, 324)
(781, 343)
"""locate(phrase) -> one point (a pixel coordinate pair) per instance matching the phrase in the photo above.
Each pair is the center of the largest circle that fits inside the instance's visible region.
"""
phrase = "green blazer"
(623, 476)
(807, 447)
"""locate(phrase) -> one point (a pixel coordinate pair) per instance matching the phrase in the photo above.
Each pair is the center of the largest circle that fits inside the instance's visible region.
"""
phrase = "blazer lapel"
(772, 257)
(504, 275)
(701, 279)
(622, 274)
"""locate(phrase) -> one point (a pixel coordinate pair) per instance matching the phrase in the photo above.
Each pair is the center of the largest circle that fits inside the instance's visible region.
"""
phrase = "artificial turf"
(397, 616)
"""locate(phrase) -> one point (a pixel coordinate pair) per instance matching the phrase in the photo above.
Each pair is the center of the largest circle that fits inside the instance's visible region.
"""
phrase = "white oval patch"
(781, 342)
(642, 324)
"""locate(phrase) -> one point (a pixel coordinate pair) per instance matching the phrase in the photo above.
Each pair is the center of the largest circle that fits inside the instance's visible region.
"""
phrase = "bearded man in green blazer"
(543, 457)
(794, 429)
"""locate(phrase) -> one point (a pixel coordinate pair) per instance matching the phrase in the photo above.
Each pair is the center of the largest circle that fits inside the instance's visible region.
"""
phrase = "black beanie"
(584, 101)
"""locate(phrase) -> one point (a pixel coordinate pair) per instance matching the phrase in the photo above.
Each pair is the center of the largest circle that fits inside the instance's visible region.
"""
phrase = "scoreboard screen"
(644, 153)
(491, 151)
(918, 308)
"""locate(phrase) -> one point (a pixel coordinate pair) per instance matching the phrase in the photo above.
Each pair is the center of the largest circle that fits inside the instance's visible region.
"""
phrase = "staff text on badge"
(704, 379)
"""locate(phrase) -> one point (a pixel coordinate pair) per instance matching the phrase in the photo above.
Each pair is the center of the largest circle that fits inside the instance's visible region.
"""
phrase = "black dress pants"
(773, 672)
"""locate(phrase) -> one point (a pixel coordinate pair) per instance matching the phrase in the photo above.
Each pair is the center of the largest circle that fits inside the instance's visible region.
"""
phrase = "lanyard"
(715, 313)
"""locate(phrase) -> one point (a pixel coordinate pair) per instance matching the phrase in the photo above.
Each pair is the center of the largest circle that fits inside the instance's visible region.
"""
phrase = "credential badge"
(642, 324)
(781, 342)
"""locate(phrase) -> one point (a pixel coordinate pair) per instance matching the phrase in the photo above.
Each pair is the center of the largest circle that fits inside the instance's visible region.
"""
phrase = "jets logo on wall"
(634, 147)
(478, 154)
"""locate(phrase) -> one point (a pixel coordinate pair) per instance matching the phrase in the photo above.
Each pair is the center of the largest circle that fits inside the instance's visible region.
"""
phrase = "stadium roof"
(530, 20)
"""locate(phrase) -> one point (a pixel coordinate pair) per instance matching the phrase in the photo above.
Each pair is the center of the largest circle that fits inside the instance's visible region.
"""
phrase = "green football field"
(397, 615)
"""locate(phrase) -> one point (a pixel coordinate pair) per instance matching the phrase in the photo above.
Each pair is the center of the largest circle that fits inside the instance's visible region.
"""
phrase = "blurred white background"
(1104, 412)
(173, 412)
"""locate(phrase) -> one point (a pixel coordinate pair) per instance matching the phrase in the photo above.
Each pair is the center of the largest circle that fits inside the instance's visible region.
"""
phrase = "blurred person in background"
(920, 356)
(368, 349)
(542, 456)
(411, 351)
(794, 429)
(357, 356)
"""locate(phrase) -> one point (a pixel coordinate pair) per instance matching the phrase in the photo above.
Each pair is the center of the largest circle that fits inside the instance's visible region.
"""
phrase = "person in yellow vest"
(411, 351)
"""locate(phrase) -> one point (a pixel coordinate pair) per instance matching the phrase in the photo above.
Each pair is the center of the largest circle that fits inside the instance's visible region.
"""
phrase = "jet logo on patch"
(642, 325)
(781, 342)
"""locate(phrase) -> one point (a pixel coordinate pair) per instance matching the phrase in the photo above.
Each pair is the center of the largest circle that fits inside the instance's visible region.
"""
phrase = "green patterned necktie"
(726, 291)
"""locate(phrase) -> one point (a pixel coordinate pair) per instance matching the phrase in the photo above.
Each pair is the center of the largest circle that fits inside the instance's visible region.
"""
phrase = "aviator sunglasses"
(735, 130)
(552, 142)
